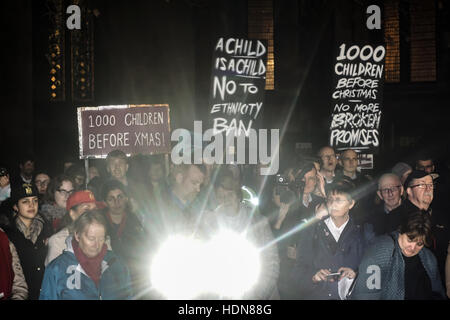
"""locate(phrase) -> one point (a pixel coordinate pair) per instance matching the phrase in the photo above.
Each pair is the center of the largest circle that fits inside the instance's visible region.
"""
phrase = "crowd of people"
(324, 229)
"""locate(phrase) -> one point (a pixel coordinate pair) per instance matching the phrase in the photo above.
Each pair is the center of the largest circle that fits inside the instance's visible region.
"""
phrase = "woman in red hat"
(77, 204)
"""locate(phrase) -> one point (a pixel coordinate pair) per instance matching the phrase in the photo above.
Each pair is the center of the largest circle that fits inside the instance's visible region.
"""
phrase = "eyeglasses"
(390, 190)
(66, 193)
(329, 157)
(338, 201)
(423, 186)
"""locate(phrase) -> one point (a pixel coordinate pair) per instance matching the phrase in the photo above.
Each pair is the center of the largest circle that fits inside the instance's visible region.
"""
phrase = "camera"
(3, 172)
(282, 180)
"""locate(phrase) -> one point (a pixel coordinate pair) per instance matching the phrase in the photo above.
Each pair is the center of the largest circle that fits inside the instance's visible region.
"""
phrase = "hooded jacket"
(65, 279)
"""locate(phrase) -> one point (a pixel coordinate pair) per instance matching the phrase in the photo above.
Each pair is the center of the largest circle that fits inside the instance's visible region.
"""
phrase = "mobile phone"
(334, 274)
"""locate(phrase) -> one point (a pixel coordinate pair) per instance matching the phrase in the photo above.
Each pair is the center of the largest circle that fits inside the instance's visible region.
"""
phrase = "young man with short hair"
(330, 250)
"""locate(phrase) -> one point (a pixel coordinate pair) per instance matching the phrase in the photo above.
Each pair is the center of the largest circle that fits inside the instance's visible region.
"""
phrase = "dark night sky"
(160, 52)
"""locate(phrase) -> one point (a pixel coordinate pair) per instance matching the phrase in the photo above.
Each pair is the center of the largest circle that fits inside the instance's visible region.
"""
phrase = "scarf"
(121, 226)
(33, 232)
(92, 266)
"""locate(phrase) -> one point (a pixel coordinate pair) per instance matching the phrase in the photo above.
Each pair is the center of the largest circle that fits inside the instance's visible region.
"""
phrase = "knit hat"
(23, 190)
(84, 196)
(400, 168)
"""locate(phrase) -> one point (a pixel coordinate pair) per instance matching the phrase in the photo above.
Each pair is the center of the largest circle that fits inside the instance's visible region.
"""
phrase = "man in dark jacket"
(365, 187)
(390, 191)
(329, 251)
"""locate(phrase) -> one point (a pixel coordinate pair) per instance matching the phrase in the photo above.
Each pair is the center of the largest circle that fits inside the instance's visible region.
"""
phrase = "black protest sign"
(237, 88)
(133, 129)
(357, 97)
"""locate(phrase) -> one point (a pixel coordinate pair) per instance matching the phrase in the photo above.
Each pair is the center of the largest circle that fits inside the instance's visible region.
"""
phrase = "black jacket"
(32, 257)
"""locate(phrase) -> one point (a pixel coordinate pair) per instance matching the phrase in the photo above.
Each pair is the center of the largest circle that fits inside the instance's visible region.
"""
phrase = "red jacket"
(6, 271)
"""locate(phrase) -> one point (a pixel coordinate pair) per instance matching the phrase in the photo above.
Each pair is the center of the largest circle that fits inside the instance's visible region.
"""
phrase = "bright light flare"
(226, 266)
(236, 263)
(174, 271)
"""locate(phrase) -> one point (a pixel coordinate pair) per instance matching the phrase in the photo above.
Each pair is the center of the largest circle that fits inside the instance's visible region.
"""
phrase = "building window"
(416, 32)
(392, 39)
(423, 40)
(260, 26)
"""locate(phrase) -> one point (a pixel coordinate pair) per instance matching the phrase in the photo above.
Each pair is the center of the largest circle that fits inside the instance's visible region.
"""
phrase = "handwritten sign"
(132, 129)
(357, 98)
(238, 81)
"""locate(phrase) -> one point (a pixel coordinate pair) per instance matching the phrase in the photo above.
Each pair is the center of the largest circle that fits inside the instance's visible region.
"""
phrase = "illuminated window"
(392, 39)
(260, 26)
(418, 31)
(56, 52)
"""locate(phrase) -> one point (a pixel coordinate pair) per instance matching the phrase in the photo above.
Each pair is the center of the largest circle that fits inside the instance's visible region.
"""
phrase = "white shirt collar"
(335, 231)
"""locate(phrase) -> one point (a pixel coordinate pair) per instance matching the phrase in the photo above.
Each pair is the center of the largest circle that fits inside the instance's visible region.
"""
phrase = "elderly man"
(390, 191)
(420, 190)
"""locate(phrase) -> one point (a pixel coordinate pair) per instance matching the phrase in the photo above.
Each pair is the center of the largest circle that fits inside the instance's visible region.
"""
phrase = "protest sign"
(132, 129)
(357, 98)
(238, 82)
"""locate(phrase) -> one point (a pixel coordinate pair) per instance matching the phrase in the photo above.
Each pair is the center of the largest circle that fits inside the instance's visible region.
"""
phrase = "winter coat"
(440, 230)
(317, 249)
(31, 255)
(384, 258)
(12, 281)
(132, 246)
(20, 287)
(65, 279)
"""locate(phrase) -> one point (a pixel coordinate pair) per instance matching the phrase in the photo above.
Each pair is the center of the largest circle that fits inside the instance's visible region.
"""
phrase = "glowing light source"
(228, 266)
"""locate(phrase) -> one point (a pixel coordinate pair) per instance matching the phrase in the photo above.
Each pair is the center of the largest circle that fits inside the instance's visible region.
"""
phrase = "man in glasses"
(390, 191)
(419, 187)
(329, 251)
